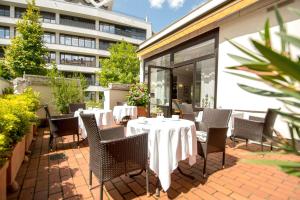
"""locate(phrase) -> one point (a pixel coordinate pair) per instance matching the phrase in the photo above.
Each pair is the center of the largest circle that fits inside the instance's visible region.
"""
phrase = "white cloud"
(176, 3)
(156, 3)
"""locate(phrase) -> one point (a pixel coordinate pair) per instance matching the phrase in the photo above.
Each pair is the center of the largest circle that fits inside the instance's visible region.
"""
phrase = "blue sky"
(159, 12)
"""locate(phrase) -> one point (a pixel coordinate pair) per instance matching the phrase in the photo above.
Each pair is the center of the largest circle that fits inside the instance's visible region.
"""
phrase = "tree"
(121, 67)
(66, 90)
(27, 50)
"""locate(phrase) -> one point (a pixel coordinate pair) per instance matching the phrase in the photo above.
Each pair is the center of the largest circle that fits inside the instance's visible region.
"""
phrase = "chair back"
(186, 108)
(215, 118)
(94, 140)
(269, 122)
(47, 112)
(119, 103)
(75, 106)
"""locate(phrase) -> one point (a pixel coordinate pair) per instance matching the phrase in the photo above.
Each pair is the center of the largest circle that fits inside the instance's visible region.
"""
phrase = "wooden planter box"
(141, 111)
(16, 160)
(3, 187)
(29, 136)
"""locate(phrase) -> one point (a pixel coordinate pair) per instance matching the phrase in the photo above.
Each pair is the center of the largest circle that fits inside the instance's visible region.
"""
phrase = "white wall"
(4, 84)
(240, 28)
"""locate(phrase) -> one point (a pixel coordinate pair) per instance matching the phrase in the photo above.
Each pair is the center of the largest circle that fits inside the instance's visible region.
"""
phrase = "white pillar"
(11, 32)
(141, 70)
(56, 37)
(97, 25)
(57, 57)
(12, 11)
(57, 18)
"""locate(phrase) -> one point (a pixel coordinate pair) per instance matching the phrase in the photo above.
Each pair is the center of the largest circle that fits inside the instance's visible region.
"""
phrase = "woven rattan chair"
(212, 133)
(112, 154)
(73, 107)
(61, 126)
(255, 129)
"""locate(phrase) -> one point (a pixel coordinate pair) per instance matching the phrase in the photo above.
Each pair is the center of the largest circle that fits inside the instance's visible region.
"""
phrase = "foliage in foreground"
(121, 67)
(27, 50)
(16, 113)
(66, 90)
(280, 71)
(138, 95)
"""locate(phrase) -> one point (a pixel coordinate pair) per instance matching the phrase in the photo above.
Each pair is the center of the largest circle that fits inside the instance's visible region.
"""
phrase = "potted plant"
(4, 144)
(156, 111)
(139, 96)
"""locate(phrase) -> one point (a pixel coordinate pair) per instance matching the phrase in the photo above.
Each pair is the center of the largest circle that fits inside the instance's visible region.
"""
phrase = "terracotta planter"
(141, 111)
(16, 159)
(3, 188)
(29, 138)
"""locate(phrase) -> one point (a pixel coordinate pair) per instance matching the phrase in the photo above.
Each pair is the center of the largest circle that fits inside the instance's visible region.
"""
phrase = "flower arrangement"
(138, 95)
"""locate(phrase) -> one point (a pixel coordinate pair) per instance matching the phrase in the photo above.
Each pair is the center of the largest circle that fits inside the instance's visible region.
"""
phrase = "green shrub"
(16, 113)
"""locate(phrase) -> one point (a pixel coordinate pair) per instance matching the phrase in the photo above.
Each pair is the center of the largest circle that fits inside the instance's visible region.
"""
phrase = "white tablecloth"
(121, 111)
(103, 117)
(170, 141)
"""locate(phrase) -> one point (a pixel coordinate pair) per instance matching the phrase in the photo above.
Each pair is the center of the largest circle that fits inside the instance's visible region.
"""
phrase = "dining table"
(169, 142)
(103, 118)
(121, 111)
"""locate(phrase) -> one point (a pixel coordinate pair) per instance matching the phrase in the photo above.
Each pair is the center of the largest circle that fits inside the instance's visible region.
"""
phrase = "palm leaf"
(245, 76)
(291, 39)
(289, 102)
(282, 29)
(261, 92)
(281, 62)
(267, 35)
(246, 51)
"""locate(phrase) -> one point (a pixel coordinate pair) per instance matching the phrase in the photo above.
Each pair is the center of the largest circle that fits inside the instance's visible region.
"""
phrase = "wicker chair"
(255, 129)
(61, 126)
(212, 133)
(73, 107)
(112, 154)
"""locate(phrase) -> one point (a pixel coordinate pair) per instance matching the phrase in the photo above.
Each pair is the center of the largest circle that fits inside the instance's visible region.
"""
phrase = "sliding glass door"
(160, 84)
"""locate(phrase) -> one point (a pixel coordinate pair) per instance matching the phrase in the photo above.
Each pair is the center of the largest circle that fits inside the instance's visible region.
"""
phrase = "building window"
(4, 32)
(19, 12)
(4, 11)
(78, 60)
(127, 31)
(77, 22)
(105, 44)
(49, 38)
(48, 17)
(51, 57)
(77, 41)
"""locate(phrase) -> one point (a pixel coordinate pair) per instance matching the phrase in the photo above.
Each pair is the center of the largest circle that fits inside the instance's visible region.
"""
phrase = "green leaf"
(261, 92)
(246, 51)
(245, 76)
(267, 35)
(281, 62)
(291, 39)
(289, 102)
(282, 29)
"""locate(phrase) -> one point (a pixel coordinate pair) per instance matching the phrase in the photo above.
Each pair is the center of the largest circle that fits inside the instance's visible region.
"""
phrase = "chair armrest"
(62, 116)
(112, 133)
(248, 129)
(258, 119)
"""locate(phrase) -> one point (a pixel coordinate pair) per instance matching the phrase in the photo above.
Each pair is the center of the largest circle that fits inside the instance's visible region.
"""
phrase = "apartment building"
(77, 33)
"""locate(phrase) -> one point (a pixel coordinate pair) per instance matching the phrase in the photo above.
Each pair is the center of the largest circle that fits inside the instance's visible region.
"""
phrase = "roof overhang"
(200, 18)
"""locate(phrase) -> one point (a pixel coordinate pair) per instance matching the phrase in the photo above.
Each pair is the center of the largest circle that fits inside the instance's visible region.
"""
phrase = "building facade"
(77, 32)
(187, 61)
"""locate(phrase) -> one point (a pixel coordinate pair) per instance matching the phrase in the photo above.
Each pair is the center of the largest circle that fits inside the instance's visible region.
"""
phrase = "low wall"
(115, 93)
(38, 84)
(4, 84)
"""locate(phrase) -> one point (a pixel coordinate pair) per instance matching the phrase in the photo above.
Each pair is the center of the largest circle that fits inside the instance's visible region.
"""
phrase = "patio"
(43, 177)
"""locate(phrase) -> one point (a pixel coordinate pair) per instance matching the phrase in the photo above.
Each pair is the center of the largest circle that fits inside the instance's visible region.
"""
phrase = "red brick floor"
(41, 178)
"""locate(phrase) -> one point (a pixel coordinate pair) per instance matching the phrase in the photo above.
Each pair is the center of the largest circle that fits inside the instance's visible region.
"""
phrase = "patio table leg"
(184, 174)
(157, 190)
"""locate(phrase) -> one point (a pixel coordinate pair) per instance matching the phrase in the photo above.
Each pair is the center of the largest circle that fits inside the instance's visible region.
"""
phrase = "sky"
(160, 13)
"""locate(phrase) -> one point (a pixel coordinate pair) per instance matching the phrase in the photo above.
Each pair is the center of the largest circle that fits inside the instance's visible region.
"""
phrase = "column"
(97, 61)
(57, 57)
(56, 37)
(11, 32)
(97, 25)
(57, 18)
(141, 70)
(12, 11)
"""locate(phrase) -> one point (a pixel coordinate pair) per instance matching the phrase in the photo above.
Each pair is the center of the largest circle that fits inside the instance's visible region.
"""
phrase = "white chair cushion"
(201, 136)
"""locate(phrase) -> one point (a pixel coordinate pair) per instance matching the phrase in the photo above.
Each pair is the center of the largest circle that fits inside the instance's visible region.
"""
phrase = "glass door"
(160, 90)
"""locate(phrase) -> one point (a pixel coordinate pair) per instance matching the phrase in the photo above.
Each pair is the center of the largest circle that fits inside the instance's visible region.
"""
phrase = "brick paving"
(67, 178)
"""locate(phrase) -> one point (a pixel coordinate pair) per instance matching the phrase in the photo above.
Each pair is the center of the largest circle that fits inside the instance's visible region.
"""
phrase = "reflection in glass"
(205, 84)
(196, 51)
